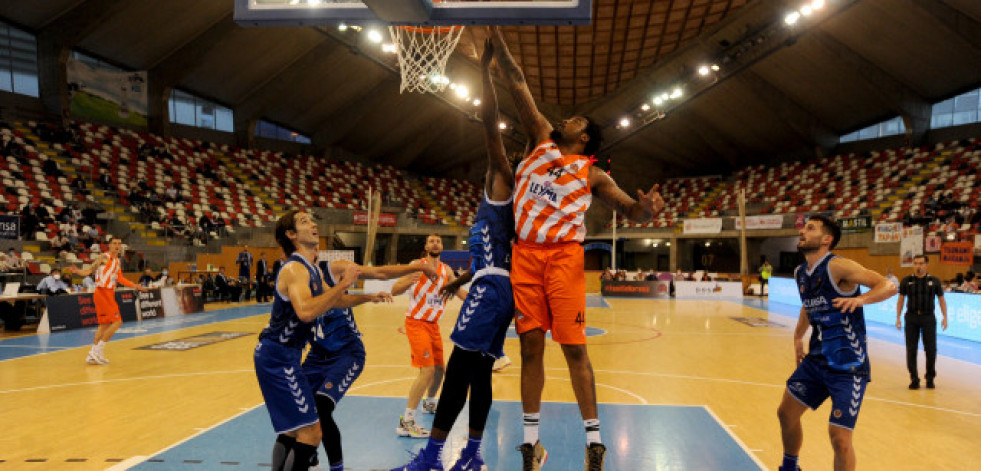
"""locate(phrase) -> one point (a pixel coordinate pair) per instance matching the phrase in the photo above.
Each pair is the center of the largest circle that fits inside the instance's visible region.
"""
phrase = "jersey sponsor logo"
(543, 191)
(814, 303)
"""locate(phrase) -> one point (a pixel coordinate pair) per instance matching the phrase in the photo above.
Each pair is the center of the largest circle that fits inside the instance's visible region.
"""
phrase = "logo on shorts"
(427, 354)
(798, 388)
(328, 385)
(837, 413)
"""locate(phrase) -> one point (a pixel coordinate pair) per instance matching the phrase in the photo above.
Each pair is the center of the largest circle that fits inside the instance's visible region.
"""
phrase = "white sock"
(592, 431)
(410, 414)
(531, 427)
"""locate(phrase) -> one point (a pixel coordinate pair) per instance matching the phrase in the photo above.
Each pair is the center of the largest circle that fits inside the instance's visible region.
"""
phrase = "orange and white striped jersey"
(552, 196)
(424, 300)
(108, 273)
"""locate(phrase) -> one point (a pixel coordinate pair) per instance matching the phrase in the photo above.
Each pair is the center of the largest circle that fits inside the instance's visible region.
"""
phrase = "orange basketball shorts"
(425, 342)
(549, 284)
(106, 309)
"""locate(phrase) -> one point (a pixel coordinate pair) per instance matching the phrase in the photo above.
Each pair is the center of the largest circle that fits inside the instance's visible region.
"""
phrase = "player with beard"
(421, 326)
(554, 187)
(836, 364)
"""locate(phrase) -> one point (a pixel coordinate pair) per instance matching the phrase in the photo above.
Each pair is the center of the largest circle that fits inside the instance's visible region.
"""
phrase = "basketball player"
(422, 328)
(486, 313)
(555, 185)
(836, 364)
(300, 297)
(337, 355)
(108, 272)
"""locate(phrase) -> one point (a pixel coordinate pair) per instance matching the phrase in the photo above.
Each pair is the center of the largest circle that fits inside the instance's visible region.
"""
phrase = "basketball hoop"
(422, 53)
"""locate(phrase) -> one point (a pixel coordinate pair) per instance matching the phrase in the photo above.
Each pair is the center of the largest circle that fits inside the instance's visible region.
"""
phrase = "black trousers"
(927, 326)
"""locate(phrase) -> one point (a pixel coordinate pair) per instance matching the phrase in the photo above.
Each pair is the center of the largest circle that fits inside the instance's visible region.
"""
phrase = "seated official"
(53, 284)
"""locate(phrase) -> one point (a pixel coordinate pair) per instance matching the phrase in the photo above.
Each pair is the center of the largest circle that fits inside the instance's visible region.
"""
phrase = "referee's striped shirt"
(919, 292)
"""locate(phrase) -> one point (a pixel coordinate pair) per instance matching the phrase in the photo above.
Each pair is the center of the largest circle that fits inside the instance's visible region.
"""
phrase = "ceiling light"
(658, 101)
(374, 36)
(342, 27)
(817, 4)
(668, 244)
(655, 244)
(452, 86)
(792, 18)
(624, 123)
(502, 125)
(462, 92)
(476, 102)
(665, 96)
(806, 10)
(676, 93)
(645, 107)
(389, 48)
(703, 70)
(708, 244)
(313, 3)
(715, 67)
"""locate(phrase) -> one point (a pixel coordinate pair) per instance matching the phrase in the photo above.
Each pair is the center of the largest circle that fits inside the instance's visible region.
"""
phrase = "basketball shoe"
(429, 406)
(533, 457)
(594, 457)
(501, 363)
(408, 428)
(421, 462)
(469, 463)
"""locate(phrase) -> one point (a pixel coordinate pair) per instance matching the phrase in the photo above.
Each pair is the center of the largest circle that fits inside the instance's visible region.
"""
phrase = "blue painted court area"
(595, 300)
(28, 345)
(960, 349)
(639, 437)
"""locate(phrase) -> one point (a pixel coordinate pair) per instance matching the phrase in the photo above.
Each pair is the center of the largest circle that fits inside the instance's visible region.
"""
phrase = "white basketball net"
(422, 54)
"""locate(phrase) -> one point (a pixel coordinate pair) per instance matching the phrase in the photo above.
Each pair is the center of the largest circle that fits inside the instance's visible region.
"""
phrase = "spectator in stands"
(90, 214)
(9, 147)
(53, 284)
(956, 284)
(227, 288)
(105, 181)
(50, 167)
(88, 284)
(244, 262)
(147, 278)
(262, 283)
(607, 275)
(29, 222)
(171, 194)
(90, 235)
(58, 243)
(79, 185)
(651, 275)
(969, 285)
(13, 261)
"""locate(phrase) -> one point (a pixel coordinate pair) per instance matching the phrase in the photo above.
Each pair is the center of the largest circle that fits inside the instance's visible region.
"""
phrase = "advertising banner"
(107, 95)
(888, 232)
(703, 226)
(635, 289)
(75, 311)
(911, 245)
(765, 221)
(708, 289)
(957, 253)
(799, 221)
(963, 310)
(151, 304)
(9, 226)
(856, 224)
(932, 244)
(191, 298)
(384, 219)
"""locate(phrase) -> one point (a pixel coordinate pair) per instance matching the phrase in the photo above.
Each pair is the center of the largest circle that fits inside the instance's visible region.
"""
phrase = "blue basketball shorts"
(485, 316)
(331, 373)
(289, 398)
(812, 383)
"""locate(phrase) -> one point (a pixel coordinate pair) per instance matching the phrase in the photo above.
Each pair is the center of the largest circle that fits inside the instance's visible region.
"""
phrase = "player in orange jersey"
(555, 185)
(421, 326)
(108, 271)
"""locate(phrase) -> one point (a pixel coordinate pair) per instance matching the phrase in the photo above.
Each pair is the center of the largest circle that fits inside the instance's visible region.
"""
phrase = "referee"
(921, 288)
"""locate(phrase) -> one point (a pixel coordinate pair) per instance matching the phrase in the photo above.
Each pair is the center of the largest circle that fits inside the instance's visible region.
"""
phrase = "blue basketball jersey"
(335, 329)
(838, 339)
(285, 328)
(491, 235)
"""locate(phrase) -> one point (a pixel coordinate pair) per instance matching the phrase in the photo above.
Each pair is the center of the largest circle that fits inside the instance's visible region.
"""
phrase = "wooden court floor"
(55, 408)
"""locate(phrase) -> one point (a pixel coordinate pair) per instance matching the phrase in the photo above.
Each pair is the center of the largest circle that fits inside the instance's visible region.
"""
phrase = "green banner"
(856, 224)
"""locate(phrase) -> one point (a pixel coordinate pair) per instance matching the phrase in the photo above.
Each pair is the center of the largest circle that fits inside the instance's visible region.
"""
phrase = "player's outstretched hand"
(943, 323)
(899, 324)
(350, 275)
(381, 297)
(426, 268)
(847, 304)
(651, 200)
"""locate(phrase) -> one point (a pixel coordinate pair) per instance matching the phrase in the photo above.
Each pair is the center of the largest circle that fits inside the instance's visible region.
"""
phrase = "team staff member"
(108, 272)
(921, 288)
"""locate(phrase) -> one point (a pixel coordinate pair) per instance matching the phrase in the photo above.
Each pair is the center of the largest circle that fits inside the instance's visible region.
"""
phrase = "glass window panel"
(26, 83)
(946, 106)
(302, 139)
(942, 120)
(6, 79)
(965, 117)
(966, 102)
(870, 132)
(223, 120)
(183, 109)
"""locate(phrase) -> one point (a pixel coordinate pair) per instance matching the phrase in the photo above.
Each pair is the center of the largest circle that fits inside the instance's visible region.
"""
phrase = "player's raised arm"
(637, 210)
(404, 283)
(385, 272)
(851, 273)
(500, 177)
(83, 272)
(531, 118)
(295, 282)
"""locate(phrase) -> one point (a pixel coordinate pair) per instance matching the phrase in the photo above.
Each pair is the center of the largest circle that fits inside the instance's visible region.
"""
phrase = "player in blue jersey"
(300, 297)
(483, 322)
(337, 355)
(836, 364)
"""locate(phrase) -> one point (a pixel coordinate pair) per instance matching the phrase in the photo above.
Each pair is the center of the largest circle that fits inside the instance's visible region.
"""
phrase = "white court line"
(121, 380)
(735, 437)
(127, 463)
(35, 346)
(140, 459)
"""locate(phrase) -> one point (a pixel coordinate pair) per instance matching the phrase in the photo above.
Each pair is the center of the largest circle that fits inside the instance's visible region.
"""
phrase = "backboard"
(413, 12)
